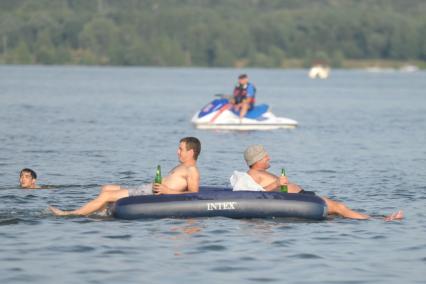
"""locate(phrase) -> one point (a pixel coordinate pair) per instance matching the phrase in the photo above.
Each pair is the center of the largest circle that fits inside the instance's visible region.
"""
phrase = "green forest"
(213, 33)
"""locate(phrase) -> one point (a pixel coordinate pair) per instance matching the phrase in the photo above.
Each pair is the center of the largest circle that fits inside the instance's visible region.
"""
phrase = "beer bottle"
(283, 188)
(158, 175)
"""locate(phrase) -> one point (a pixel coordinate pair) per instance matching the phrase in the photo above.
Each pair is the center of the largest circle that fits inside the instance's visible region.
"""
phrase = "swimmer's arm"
(260, 179)
(276, 184)
(193, 179)
(159, 188)
(272, 186)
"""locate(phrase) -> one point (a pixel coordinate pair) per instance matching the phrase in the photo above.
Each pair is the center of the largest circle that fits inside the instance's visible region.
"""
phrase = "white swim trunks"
(144, 189)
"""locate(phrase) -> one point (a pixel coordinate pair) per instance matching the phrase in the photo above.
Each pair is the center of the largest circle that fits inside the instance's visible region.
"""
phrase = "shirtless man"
(184, 178)
(28, 179)
(258, 161)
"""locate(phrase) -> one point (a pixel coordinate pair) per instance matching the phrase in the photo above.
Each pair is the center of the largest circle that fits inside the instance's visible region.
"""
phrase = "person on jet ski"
(244, 95)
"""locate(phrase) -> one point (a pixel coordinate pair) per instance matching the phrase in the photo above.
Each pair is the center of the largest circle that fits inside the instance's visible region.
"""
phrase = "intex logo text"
(221, 206)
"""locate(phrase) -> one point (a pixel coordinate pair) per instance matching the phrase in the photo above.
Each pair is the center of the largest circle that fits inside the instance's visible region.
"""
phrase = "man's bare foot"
(395, 216)
(57, 212)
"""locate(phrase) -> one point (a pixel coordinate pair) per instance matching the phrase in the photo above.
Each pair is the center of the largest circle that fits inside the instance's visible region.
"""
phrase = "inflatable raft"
(222, 202)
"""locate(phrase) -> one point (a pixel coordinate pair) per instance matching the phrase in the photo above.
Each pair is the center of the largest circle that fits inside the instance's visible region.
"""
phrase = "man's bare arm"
(164, 189)
(274, 182)
(193, 179)
(261, 179)
(273, 186)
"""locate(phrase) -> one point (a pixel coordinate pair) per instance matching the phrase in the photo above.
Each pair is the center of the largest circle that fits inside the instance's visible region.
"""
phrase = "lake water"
(361, 140)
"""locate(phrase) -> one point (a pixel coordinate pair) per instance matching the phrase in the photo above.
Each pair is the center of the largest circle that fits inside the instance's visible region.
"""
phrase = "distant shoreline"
(286, 64)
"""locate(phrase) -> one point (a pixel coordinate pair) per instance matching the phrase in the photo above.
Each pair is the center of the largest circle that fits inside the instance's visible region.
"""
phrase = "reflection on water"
(360, 140)
(189, 228)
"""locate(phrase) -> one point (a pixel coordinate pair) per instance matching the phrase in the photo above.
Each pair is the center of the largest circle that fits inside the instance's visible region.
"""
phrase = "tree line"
(222, 33)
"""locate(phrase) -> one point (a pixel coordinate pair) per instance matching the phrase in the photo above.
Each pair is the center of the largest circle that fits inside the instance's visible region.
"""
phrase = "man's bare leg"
(342, 210)
(95, 205)
(110, 187)
(244, 108)
(334, 207)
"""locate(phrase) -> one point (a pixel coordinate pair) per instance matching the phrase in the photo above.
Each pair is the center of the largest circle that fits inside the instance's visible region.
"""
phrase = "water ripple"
(281, 243)
(414, 248)
(75, 248)
(10, 221)
(229, 268)
(115, 251)
(212, 248)
(306, 256)
(127, 236)
(262, 279)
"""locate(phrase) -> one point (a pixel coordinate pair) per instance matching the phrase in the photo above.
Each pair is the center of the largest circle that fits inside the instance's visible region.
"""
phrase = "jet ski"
(219, 114)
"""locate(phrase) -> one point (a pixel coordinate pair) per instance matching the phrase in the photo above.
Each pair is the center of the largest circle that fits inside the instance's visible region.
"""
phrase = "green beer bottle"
(283, 188)
(158, 175)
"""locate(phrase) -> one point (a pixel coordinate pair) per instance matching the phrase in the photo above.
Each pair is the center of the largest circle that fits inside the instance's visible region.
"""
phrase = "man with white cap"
(258, 161)
(259, 179)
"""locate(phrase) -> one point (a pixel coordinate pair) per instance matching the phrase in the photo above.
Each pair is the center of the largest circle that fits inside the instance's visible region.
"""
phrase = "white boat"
(319, 71)
(409, 68)
(219, 114)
